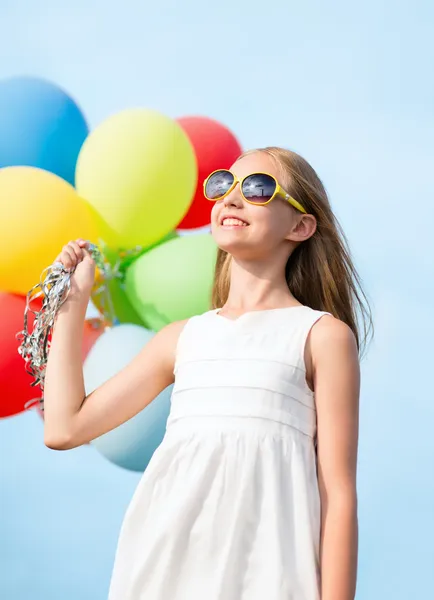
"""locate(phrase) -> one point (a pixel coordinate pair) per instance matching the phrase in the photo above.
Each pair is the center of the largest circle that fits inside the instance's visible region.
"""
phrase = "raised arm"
(71, 418)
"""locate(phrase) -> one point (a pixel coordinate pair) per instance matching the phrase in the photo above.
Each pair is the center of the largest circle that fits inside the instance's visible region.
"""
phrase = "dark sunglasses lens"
(218, 184)
(259, 188)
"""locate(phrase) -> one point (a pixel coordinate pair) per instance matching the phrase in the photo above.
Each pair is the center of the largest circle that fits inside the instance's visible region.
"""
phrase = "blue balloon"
(40, 126)
(132, 444)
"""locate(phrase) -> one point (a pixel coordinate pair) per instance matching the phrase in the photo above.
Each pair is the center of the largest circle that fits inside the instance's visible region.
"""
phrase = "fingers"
(87, 256)
(85, 246)
(78, 251)
(68, 257)
(73, 253)
(85, 249)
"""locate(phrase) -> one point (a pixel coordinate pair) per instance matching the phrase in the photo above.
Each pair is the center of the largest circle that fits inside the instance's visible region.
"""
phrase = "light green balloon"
(121, 306)
(138, 170)
(173, 281)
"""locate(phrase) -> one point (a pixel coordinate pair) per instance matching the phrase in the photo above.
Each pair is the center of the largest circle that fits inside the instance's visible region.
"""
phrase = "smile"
(233, 222)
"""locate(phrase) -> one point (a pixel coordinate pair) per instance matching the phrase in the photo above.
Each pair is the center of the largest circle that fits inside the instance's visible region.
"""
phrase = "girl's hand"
(76, 258)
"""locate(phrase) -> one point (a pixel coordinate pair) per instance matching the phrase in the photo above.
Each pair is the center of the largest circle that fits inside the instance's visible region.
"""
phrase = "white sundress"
(228, 507)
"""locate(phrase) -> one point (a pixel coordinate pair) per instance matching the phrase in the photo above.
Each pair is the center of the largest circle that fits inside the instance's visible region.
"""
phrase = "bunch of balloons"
(133, 186)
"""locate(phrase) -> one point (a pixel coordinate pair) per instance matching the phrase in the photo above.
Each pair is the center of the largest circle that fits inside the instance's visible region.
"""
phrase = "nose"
(234, 197)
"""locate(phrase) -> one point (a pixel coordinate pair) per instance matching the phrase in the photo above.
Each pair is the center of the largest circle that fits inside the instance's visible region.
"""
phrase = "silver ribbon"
(53, 289)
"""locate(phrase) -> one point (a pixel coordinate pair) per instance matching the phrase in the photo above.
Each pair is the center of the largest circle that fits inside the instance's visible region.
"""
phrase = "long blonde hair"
(320, 272)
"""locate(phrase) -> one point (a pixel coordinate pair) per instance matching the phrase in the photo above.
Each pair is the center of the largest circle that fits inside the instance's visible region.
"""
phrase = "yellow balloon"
(138, 170)
(39, 213)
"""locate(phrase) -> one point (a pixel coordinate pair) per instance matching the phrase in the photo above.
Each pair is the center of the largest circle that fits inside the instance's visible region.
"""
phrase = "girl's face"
(251, 232)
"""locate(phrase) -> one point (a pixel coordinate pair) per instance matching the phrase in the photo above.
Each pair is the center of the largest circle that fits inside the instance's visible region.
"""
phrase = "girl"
(252, 493)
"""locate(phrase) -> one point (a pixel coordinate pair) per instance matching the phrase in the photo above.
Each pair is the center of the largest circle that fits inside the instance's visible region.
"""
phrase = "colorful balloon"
(39, 213)
(120, 261)
(216, 147)
(93, 329)
(138, 170)
(123, 311)
(131, 445)
(173, 281)
(15, 383)
(40, 126)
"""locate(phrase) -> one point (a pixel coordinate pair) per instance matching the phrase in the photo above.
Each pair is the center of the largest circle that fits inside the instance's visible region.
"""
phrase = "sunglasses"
(257, 188)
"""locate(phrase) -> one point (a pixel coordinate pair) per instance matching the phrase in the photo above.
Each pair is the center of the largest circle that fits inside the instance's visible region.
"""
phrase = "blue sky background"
(348, 86)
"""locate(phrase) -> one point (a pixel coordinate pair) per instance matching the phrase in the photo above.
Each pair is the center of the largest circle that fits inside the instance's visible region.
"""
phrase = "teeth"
(234, 222)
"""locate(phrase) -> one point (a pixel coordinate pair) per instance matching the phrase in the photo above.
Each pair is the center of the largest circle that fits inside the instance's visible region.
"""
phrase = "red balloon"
(216, 148)
(15, 389)
(93, 328)
(15, 383)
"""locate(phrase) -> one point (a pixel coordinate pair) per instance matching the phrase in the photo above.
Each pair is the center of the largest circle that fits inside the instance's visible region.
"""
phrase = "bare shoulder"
(173, 329)
(168, 336)
(331, 345)
(331, 331)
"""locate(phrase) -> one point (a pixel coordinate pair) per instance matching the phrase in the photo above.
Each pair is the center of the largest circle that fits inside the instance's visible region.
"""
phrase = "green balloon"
(122, 308)
(121, 259)
(173, 281)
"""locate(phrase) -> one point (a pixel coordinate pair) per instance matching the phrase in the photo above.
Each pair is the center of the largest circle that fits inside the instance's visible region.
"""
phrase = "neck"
(258, 285)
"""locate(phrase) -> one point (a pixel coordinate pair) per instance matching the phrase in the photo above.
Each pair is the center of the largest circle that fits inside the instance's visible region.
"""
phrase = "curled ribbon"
(53, 289)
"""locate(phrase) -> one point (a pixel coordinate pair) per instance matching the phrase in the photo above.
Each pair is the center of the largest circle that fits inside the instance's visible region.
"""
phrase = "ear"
(303, 229)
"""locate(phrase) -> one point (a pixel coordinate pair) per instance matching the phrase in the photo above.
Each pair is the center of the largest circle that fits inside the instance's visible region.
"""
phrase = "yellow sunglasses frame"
(279, 191)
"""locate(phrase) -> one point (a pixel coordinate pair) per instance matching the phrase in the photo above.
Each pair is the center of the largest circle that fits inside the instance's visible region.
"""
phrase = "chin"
(235, 246)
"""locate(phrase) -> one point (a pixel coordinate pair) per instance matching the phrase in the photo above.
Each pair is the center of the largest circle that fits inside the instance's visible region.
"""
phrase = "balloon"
(40, 126)
(15, 382)
(173, 281)
(138, 170)
(216, 148)
(93, 329)
(132, 444)
(39, 213)
(117, 306)
(122, 307)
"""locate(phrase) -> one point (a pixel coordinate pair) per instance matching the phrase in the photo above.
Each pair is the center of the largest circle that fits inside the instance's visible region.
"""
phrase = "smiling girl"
(252, 493)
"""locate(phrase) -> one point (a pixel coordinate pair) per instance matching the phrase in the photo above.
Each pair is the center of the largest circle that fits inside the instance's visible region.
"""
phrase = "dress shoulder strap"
(301, 329)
